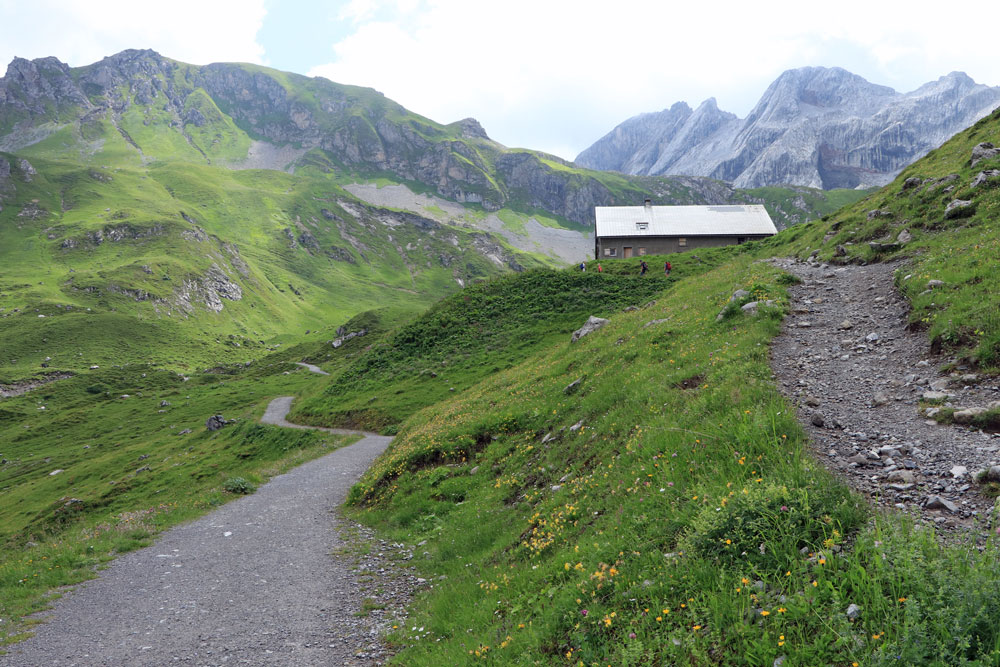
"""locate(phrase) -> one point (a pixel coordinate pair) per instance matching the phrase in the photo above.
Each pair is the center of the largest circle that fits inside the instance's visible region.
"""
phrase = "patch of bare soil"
(859, 379)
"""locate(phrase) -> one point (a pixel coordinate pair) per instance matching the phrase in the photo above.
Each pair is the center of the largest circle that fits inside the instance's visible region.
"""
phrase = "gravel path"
(255, 582)
(857, 375)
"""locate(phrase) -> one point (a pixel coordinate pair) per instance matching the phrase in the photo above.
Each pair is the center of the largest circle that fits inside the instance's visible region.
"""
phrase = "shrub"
(238, 485)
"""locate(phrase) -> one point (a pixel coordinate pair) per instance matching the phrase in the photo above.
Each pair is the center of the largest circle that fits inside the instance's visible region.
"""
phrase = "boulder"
(984, 177)
(939, 503)
(739, 294)
(904, 237)
(983, 151)
(879, 213)
(215, 422)
(911, 183)
(959, 208)
(573, 386)
(841, 251)
(966, 415)
(592, 325)
(932, 284)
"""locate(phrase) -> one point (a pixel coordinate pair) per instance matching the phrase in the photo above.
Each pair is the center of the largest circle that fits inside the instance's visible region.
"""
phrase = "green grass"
(485, 329)
(126, 470)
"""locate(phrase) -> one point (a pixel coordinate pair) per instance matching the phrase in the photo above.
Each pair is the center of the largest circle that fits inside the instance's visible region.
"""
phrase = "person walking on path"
(599, 269)
(583, 266)
(643, 267)
(666, 268)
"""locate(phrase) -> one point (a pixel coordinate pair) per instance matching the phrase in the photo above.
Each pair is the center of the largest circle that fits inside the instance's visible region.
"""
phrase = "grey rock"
(984, 177)
(904, 237)
(576, 427)
(902, 477)
(853, 612)
(959, 208)
(935, 396)
(840, 251)
(846, 324)
(939, 503)
(864, 135)
(592, 325)
(749, 308)
(573, 386)
(474, 470)
(958, 472)
(983, 151)
(816, 419)
(215, 422)
(912, 182)
(739, 294)
(653, 323)
(966, 415)
(879, 399)
(184, 432)
(812, 401)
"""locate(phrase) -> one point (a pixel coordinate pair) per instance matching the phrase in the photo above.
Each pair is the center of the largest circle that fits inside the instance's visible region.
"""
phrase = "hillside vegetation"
(665, 509)
(642, 496)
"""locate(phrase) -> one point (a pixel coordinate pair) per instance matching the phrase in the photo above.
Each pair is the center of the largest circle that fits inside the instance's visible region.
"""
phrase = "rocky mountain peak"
(813, 126)
(471, 129)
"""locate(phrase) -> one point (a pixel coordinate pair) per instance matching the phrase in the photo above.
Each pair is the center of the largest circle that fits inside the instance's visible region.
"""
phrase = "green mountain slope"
(667, 510)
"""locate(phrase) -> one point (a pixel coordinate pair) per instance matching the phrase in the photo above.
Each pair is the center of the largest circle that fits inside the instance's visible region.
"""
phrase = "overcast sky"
(553, 75)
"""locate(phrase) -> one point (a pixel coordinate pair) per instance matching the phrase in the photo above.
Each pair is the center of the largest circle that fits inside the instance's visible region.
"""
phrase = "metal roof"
(726, 220)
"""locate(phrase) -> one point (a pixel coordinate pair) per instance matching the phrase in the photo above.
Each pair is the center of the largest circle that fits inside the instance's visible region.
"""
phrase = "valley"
(181, 245)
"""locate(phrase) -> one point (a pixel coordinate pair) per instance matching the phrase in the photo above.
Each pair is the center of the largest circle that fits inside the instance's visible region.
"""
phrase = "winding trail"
(253, 583)
(857, 374)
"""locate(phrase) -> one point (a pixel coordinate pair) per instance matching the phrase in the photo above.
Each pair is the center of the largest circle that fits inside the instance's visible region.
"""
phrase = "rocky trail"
(274, 578)
(858, 376)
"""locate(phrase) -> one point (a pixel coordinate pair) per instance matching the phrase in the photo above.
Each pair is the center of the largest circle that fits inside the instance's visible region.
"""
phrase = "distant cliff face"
(817, 127)
(208, 111)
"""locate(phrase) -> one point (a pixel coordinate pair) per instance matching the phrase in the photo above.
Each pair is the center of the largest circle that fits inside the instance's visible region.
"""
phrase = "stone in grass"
(592, 325)
(966, 415)
(959, 208)
(853, 612)
(573, 386)
(215, 422)
(817, 419)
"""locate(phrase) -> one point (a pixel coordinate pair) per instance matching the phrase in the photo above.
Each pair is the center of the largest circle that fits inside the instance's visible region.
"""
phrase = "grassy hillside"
(664, 510)
(462, 339)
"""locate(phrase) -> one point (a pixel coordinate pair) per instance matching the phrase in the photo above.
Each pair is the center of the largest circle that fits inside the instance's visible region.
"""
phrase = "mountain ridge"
(813, 126)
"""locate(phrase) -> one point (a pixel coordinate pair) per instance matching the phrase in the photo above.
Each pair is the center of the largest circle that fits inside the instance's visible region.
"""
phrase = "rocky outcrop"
(814, 126)
(209, 290)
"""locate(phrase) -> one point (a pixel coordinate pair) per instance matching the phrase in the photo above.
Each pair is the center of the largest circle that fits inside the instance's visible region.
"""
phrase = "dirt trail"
(255, 582)
(846, 358)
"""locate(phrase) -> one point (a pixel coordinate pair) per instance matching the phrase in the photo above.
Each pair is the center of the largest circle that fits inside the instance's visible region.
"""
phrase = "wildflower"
(822, 561)
(815, 584)
(765, 612)
(902, 599)
(659, 618)
(782, 640)
(584, 612)
(631, 635)
(781, 610)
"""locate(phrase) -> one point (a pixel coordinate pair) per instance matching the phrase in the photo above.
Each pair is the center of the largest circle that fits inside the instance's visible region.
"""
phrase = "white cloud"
(556, 74)
(194, 31)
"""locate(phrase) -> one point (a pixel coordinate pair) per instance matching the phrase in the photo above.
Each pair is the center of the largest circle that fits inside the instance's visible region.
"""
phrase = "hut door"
(627, 252)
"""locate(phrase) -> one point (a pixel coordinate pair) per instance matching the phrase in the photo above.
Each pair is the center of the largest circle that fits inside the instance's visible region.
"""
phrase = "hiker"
(666, 268)
(643, 267)
(599, 269)
(583, 266)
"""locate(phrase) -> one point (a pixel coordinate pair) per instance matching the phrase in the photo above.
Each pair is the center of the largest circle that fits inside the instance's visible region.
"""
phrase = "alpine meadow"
(179, 242)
